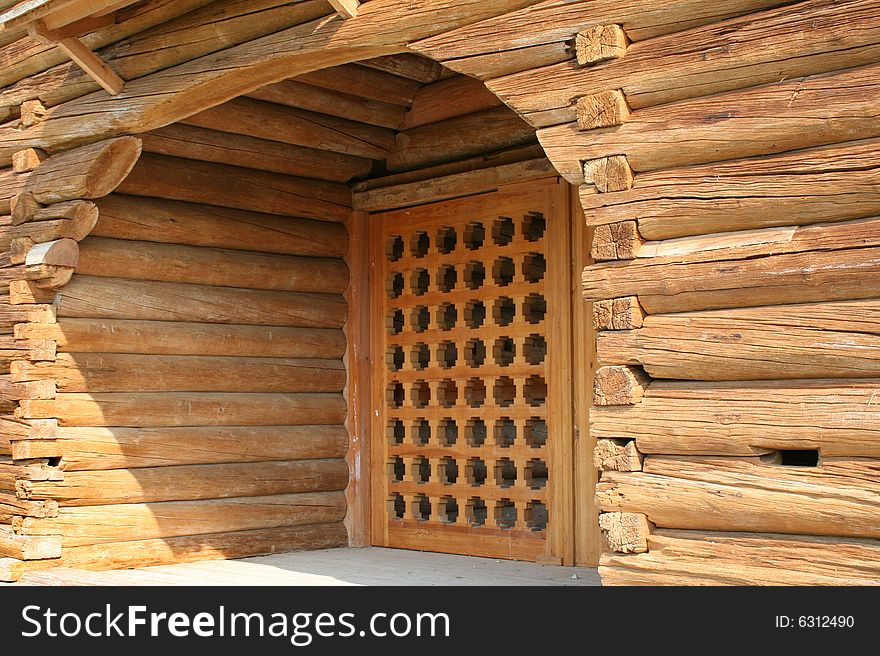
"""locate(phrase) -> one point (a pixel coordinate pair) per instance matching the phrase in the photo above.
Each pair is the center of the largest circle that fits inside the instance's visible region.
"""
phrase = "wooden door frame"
(581, 544)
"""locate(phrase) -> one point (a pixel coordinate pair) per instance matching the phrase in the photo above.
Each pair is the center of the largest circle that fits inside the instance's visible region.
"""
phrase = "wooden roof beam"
(93, 65)
(346, 8)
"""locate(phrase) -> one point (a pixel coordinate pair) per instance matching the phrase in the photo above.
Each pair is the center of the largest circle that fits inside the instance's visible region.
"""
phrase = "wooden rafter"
(346, 8)
(62, 22)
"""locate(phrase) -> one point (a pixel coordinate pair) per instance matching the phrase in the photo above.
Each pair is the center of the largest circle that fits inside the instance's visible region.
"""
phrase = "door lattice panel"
(464, 345)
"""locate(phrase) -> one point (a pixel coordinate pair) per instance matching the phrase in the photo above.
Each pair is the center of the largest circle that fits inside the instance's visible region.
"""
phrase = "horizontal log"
(182, 338)
(117, 523)
(743, 494)
(716, 558)
(804, 39)
(166, 221)
(84, 448)
(87, 172)
(19, 239)
(191, 142)
(115, 298)
(174, 178)
(546, 22)
(772, 118)
(12, 506)
(447, 187)
(365, 81)
(794, 265)
(839, 418)
(768, 343)
(192, 409)
(27, 547)
(140, 260)
(14, 314)
(498, 64)
(167, 96)
(457, 138)
(294, 93)
(297, 127)
(484, 161)
(187, 36)
(123, 372)
(408, 65)
(189, 482)
(216, 546)
(441, 101)
(815, 185)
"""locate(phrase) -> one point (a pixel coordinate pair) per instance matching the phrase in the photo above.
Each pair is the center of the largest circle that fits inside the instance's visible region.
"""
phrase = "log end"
(602, 110)
(600, 43)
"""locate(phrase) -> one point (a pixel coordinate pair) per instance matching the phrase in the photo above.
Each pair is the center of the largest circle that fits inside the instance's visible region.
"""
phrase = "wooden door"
(472, 430)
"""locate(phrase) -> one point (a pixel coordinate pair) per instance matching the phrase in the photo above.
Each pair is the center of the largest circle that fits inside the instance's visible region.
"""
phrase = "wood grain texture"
(759, 48)
(772, 118)
(837, 417)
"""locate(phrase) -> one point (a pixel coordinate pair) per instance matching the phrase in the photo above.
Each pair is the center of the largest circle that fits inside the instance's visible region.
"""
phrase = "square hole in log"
(447, 355)
(420, 356)
(420, 318)
(447, 278)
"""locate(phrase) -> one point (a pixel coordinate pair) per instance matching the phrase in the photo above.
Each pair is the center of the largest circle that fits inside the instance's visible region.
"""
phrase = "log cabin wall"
(728, 170)
(725, 153)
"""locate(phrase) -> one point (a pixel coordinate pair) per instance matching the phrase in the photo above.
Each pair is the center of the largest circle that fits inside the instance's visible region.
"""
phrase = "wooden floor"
(371, 566)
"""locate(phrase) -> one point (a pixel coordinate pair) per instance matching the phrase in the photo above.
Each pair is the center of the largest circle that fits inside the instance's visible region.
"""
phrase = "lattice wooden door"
(472, 419)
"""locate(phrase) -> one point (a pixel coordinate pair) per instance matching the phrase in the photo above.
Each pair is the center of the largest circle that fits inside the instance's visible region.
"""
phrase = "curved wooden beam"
(382, 27)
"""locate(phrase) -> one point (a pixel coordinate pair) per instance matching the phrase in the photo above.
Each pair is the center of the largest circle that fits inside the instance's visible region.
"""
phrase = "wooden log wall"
(725, 157)
(187, 384)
